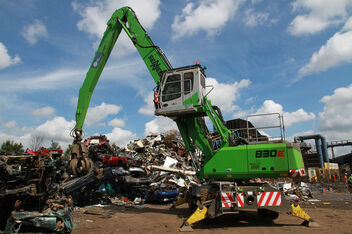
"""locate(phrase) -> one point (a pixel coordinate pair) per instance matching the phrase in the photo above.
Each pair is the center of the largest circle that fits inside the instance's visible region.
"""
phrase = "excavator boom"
(154, 58)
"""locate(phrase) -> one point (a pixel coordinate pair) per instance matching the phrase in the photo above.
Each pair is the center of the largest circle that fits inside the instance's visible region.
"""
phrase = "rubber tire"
(273, 215)
(192, 203)
(268, 214)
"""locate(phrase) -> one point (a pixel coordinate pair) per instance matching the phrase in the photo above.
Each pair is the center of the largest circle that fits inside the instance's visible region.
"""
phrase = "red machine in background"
(101, 152)
(43, 152)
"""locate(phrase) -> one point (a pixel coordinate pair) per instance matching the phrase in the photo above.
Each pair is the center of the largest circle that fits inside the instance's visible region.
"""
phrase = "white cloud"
(52, 80)
(348, 25)
(336, 51)
(120, 136)
(338, 151)
(148, 108)
(74, 101)
(255, 1)
(101, 124)
(159, 125)
(5, 58)
(336, 119)
(291, 60)
(249, 100)
(66, 77)
(117, 122)
(209, 15)
(10, 124)
(317, 15)
(297, 116)
(240, 113)
(45, 111)
(224, 95)
(290, 118)
(32, 32)
(303, 133)
(96, 14)
(11, 128)
(253, 18)
(97, 113)
(57, 129)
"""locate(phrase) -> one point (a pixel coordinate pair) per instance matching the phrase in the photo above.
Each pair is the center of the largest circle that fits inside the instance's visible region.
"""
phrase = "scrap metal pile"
(28, 197)
(140, 172)
(154, 149)
(38, 194)
(299, 192)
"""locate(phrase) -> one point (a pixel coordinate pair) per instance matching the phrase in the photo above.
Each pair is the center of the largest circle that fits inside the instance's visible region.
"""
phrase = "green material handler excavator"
(226, 169)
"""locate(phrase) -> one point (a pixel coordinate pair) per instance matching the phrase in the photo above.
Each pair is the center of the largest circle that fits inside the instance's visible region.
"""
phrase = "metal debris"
(28, 192)
(300, 192)
(38, 194)
(147, 170)
(48, 220)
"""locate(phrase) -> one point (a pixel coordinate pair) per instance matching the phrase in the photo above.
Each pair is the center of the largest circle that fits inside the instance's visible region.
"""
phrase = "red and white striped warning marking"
(228, 200)
(269, 199)
(240, 202)
(297, 173)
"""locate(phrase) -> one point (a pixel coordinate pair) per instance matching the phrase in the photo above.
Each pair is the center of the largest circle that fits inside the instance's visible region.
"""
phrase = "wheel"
(268, 214)
(263, 212)
(273, 215)
(192, 203)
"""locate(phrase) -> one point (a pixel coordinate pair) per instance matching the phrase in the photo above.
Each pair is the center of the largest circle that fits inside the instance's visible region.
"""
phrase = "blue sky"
(292, 57)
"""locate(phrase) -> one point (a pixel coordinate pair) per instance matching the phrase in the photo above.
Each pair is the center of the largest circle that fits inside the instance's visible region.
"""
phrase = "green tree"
(68, 150)
(11, 147)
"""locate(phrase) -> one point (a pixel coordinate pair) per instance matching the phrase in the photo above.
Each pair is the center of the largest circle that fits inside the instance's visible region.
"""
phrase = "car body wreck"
(28, 193)
(46, 221)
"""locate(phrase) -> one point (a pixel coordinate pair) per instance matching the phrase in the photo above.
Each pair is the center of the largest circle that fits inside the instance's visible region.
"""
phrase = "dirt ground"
(333, 213)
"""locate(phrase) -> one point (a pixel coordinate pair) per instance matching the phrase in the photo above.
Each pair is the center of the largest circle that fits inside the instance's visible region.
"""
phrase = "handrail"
(280, 126)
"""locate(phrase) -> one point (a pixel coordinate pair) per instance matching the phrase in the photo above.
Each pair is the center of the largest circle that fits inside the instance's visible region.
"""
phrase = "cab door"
(193, 88)
(188, 84)
(171, 94)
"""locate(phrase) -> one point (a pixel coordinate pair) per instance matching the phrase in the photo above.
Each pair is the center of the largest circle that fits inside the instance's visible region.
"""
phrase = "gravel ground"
(332, 211)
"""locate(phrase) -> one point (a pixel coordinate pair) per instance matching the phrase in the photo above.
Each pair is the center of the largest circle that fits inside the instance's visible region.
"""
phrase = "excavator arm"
(154, 58)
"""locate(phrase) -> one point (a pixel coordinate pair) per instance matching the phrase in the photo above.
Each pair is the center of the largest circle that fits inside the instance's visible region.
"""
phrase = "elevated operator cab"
(181, 91)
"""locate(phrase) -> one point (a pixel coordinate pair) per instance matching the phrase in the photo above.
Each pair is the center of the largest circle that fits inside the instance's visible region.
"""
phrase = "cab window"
(187, 82)
(202, 80)
(172, 88)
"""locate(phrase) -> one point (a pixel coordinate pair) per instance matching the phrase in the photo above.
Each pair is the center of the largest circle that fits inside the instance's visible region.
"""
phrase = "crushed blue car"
(159, 196)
